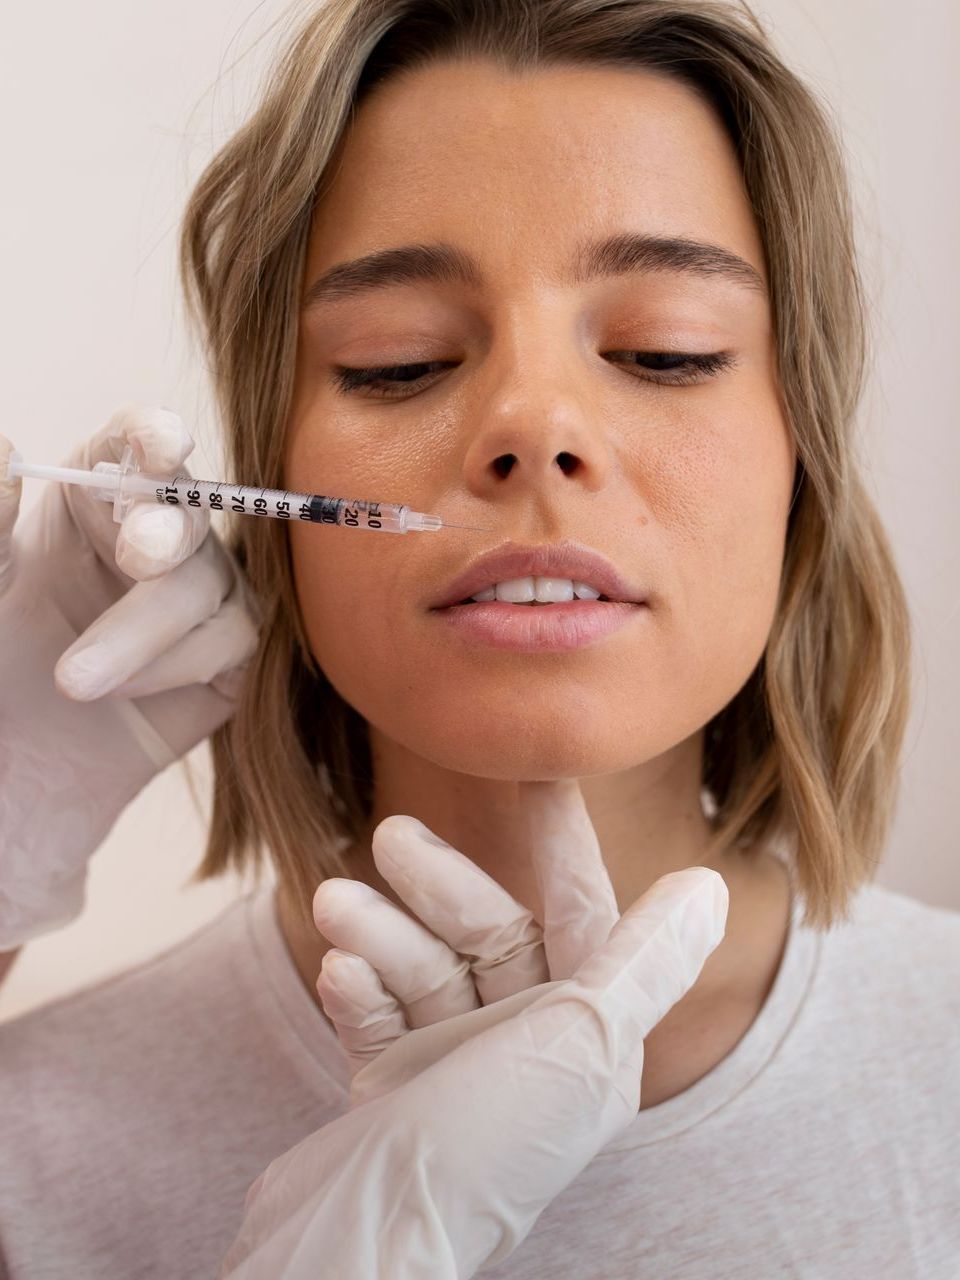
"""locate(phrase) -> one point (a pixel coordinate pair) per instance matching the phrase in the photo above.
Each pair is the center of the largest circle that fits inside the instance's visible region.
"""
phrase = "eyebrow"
(615, 255)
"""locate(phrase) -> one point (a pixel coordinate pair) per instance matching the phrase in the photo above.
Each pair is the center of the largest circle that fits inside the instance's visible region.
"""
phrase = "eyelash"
(351, 380)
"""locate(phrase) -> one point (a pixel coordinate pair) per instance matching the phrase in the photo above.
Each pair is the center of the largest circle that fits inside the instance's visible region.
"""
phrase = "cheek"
(725, 542)
(339, 593)
(745, 519)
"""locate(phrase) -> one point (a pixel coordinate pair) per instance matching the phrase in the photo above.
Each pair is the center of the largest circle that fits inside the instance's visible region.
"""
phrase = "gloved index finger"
(579, 904)
(145, 622)
(158, 437)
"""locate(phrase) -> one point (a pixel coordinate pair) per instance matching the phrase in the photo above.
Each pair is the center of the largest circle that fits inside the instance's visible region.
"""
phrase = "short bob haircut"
(807, 752)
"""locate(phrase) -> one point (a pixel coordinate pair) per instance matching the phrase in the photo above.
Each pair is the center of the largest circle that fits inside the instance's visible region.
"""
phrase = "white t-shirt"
(135, 1115)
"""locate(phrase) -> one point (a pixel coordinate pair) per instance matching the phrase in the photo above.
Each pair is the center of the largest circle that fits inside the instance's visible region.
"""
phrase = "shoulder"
(908, 948)
(135, 1012)
(887, 914)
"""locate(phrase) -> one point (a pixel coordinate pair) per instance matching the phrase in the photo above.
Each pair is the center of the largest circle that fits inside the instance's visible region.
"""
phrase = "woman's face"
(681, 477)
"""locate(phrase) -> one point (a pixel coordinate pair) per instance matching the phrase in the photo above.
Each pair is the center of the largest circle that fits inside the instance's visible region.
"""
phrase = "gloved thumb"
(10, 491)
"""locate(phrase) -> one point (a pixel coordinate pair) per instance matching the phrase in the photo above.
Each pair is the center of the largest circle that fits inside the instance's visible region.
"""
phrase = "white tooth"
(583, 591)
(516, 591)
(481, 596)
(553, 590)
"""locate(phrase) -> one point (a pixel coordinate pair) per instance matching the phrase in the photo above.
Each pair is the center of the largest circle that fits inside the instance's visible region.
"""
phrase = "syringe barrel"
(122, 484)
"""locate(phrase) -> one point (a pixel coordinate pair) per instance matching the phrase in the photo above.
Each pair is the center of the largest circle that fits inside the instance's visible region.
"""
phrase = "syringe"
(122, 483)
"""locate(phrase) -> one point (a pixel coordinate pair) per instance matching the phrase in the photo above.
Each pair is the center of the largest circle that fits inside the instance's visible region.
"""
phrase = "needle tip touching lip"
(566, 559)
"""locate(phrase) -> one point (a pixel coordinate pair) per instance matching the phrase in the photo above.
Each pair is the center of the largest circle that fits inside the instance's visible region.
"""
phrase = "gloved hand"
(121, 647)
(438, 1170)
(465, 942)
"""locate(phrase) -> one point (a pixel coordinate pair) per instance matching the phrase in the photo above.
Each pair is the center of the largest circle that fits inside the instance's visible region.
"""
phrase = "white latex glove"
(118, 654)
(440, 1169)
(463, 940)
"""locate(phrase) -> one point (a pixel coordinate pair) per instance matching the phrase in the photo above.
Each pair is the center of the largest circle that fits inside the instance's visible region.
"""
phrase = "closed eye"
(399, 381)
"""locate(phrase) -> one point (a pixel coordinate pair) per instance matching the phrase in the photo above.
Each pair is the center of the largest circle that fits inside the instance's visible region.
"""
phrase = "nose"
(535, 432)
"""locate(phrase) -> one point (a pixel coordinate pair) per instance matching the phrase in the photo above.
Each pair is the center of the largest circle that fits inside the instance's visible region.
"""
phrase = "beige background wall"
(109, 112)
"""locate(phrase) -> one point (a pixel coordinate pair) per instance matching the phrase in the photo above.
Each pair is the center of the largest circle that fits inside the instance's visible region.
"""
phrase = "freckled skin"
(685, 488)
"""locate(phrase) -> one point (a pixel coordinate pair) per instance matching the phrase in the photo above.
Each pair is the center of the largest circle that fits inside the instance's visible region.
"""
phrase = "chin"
(542, 746)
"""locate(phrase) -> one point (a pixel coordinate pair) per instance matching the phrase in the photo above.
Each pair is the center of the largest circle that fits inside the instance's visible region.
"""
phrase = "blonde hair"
(807, 752)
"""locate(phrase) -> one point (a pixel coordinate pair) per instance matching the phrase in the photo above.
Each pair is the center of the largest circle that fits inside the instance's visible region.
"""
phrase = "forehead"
(519, 167)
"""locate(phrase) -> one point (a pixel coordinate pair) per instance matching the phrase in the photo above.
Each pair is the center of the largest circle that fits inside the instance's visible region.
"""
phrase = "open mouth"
(527, 603)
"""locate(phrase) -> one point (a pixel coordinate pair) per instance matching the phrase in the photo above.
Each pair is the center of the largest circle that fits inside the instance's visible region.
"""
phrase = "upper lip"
(546, 560)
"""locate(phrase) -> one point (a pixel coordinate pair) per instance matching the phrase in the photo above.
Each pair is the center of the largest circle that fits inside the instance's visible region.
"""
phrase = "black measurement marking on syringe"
(317, 509)
(171, 494)
(323, 510)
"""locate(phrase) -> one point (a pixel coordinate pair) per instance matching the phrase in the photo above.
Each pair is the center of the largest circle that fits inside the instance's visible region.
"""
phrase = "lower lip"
(539, 628)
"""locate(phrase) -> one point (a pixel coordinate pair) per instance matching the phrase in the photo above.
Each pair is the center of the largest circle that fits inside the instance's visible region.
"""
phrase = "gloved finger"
(654, 955)
(161, 443)
(463, 905)
(158, 436)
(578, 901)
(149, 619)
(154, 539)
(366, 1016)
(220, 643)
(663, 939)
(10, 491)
(429, 979)
(229, 684)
